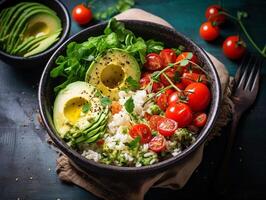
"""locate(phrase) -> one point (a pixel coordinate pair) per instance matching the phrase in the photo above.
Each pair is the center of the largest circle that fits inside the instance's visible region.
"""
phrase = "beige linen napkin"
(175, 177)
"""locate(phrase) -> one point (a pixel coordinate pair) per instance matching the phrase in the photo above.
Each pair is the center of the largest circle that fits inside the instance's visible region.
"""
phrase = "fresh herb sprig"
(118, 7)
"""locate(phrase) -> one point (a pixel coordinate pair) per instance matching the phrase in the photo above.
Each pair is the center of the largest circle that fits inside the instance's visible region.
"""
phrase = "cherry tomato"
(100, 142)
(153, 62)
(168, 92)
(174, 97)
(82, 14)
(170, 73)
(188, 78)
(168, 56)
(162, 101)
(212, 14)
(180, 85)
(179, 112)
(233, 47)
(154, 120)
(157, 144)
(208, 31)
(156, 86)
(200, 119)
(144, 81)
(167, 127)
(147, 116)
(141, 130)
(199, 96)
(183, 56)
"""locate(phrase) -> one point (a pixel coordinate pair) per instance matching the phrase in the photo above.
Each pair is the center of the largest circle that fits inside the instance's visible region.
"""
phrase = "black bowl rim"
(65, 32)
(144, 169)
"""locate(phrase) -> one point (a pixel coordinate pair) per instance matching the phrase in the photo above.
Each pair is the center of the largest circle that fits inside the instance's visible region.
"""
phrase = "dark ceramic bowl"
(39, 60)
(146, 30)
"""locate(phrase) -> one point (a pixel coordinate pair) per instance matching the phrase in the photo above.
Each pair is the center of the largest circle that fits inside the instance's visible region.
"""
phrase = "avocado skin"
(113, 57)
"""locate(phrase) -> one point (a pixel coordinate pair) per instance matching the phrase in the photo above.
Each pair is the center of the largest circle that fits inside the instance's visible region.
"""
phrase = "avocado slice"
(44, 44)
(110, 72)
(16, 32)
(68, 115)
(25, 20)
(102, 119)
(28, 44)
(15, 14)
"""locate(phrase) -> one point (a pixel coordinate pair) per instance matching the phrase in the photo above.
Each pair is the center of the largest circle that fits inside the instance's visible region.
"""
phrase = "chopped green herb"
(132, 83)
(134, 143)
(184, 62)
(86, 107)
(105, 101)
(129, 105)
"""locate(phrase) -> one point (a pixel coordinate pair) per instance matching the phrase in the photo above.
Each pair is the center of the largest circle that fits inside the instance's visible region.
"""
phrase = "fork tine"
(241, 68)
(254, 70)
(255, 85)
(243, 78)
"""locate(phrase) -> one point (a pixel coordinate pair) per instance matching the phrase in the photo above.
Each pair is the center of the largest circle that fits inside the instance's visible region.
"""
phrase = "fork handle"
(222, 181)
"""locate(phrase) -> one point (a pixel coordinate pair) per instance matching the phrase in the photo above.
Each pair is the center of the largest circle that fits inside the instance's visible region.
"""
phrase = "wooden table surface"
(27, 162)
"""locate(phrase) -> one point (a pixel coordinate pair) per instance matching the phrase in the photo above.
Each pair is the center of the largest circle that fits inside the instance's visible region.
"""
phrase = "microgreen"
(129, 105)
(105, 101)
(134, 143)
(86, 107)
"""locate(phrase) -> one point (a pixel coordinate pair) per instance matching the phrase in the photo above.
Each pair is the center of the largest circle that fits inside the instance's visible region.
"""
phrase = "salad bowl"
(146, 30)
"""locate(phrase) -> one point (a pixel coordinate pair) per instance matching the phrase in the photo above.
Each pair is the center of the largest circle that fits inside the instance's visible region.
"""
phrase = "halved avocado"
(110, 72)
(68, 114)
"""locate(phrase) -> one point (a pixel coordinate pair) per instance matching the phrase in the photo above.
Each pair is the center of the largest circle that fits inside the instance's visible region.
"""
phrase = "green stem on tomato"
(159, 92)
(171, 83)
(239, 21)
(166, 68)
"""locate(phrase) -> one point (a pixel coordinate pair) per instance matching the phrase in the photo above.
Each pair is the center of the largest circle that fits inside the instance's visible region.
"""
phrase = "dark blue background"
(27, 162)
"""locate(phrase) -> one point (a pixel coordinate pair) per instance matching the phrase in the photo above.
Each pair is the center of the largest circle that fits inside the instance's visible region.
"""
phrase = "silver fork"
(244, 95)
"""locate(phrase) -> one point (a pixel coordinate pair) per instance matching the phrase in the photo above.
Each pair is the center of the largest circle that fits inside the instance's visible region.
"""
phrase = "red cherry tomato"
(183, 56)
(208, 31)
(179, 112)
(233, 47)
(174, 97)
(167, 127)
(156, 86)
(144, 81)
(188, 78)
(199, 96)
(212, 14)
(180, 85)
(161, 101)
(200, 119)
(153, 62)
(82, 14)
(141, 130)
(168, 56)
(154, 121)
(170, 73)
(168, 92)
(157, 144)
(147, 116)
(100, 142)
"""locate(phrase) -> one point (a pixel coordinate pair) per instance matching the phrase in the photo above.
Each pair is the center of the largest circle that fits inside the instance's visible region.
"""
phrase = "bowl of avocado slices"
(30, 31)
(97, 105)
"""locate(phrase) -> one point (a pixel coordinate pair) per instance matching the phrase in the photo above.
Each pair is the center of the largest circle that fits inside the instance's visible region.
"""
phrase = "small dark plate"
(39, 60)
(147, 30)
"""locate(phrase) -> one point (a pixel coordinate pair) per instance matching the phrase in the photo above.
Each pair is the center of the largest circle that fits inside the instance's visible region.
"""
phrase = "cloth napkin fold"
(175, 177)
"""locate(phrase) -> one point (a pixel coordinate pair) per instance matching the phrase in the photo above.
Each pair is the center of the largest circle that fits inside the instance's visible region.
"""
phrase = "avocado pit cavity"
(73, 108)
(112, 76)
